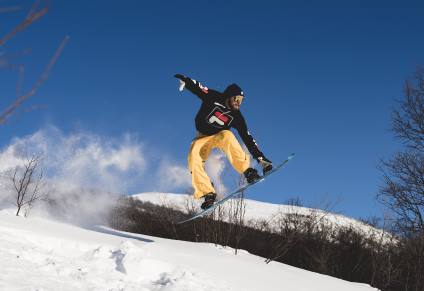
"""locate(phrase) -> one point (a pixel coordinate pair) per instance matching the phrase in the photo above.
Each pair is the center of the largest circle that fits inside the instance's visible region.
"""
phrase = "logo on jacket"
(219, 118)
(203, 88)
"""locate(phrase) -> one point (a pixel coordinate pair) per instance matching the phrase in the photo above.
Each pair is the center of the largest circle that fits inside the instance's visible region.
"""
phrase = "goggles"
(238, 99)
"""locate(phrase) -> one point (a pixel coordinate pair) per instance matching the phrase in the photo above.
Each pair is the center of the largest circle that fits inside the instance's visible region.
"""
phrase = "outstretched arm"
(251, 145)
(247, 138)
(193, 86)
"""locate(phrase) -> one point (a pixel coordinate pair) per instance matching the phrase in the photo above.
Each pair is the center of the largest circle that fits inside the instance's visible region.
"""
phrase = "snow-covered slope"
(269, 212)
(38, 254)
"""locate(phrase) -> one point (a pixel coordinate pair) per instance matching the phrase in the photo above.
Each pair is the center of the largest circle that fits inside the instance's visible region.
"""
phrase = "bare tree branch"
(403, 176)
(38, 9)
(32, 16)
(43, 77)
(9, 9)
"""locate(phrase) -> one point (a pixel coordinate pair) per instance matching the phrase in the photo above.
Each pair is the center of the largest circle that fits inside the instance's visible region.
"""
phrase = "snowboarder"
(218, 113)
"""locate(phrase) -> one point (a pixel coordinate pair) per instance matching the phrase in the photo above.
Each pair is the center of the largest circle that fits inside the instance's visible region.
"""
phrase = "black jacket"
(214, 115)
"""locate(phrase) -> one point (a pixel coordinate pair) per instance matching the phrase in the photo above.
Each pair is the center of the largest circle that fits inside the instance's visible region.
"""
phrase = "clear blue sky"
(321, 79)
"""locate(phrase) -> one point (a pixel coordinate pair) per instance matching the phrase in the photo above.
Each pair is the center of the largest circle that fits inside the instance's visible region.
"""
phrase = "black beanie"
(233, 90)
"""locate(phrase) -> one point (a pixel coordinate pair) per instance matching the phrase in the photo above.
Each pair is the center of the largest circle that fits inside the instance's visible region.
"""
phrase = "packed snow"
(41, 254)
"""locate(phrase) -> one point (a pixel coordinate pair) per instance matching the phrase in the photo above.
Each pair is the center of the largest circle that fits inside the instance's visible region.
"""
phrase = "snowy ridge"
(39, 254)
(256, 210)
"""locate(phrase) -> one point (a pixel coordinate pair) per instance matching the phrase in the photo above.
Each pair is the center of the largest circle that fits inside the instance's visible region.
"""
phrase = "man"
(218, 113)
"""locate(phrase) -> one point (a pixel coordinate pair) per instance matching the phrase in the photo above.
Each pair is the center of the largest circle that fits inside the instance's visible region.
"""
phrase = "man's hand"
(179, 76)
(265, 164)
(182, 83)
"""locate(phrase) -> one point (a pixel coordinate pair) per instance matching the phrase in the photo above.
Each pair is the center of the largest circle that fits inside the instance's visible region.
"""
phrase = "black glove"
(182, 79)
(265, 164)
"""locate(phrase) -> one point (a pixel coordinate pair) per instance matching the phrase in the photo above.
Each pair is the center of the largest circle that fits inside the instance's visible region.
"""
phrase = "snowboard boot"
(251, 175)
(209, 200)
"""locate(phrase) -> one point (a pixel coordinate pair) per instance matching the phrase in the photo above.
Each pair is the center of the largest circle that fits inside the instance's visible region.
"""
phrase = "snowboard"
(237, 191)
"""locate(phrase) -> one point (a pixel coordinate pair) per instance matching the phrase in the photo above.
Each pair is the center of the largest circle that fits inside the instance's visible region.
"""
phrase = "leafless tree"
(27, 183)
(37, 11)
(293, 226)
(236, 215)
(403, 175)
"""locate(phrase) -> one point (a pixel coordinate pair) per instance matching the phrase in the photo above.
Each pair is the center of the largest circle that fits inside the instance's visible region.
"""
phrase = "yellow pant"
(200, 149)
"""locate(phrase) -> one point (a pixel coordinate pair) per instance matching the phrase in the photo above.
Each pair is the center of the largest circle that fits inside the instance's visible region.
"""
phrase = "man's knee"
(194, 160)
(226, 134)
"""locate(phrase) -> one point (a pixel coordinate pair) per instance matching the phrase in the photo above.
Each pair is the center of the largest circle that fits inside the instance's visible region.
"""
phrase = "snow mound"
(256, 210)
(38, 254)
